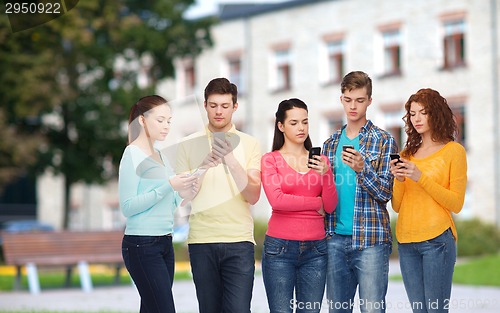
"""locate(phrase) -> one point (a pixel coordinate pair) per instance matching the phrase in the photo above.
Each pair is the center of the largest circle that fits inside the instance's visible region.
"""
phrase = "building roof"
(231, 11)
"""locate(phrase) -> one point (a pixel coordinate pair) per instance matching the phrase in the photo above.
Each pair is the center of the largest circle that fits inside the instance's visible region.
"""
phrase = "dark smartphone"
(395, 156)
(344, 148)
(312, 152)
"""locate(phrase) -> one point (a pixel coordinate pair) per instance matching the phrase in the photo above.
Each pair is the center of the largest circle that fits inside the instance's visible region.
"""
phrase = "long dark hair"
(283, 107)
(440, 118)
(141, 107)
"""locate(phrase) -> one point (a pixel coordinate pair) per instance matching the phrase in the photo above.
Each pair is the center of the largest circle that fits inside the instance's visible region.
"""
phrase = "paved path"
(125, 299)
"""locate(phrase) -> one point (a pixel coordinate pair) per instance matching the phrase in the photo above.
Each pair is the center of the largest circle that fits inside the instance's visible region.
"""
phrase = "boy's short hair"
(356, 80)
(221, 86)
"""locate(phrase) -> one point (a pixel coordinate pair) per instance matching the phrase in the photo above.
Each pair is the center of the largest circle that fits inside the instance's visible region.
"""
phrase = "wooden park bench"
(65, 249)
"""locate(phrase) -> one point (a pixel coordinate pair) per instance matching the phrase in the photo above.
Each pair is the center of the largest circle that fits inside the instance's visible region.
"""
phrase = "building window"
(397, 132)
(235, 74)
(395, 124)
(454, 44)
(335, 51)
(392, 52)
(458, 107)
(283, 70)
(335, 123)
(189, 79)
(459, 113)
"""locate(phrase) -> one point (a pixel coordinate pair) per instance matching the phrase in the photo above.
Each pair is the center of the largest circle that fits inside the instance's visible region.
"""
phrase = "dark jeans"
(223, 275)
(150, 262)
(289, 265)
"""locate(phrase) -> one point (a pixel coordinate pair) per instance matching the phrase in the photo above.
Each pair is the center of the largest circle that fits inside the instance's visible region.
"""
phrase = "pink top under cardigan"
(295, 198)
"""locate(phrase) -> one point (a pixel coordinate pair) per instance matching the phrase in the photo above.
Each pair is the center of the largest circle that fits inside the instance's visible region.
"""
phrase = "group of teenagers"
(329, 226)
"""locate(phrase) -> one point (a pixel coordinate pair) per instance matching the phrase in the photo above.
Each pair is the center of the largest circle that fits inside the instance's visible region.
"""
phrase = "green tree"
(26, 76)
(64, 75)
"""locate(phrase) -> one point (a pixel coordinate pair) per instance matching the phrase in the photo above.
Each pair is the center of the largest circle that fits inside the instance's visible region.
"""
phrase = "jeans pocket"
(441, 240)
(274, 246)
(139, 241)
(143, 245)
(320, 247)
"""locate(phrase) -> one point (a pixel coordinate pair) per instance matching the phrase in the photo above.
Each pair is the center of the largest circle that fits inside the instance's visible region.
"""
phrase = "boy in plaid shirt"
(358, 231)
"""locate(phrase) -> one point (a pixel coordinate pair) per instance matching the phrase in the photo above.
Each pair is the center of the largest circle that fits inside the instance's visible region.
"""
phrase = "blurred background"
(66, 87)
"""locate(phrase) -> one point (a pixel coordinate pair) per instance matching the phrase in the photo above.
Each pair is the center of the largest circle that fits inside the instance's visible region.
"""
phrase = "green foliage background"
(475, 238)
(64, 102)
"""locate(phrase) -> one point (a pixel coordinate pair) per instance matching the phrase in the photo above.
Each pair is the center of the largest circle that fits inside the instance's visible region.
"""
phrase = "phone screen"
(219, 135)
(312, 152)
(395, 156)
(199, 171)
(344, 148)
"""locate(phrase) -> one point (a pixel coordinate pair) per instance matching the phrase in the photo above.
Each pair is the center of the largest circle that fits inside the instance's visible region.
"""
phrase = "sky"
(207, 7)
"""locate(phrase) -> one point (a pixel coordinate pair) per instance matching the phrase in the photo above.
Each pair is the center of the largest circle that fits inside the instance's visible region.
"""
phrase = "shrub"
(477, 238)
(181, 252)
(260, 228)
(394, 253)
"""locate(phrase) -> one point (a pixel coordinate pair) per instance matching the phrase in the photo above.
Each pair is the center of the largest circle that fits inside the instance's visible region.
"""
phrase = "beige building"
(303, 48)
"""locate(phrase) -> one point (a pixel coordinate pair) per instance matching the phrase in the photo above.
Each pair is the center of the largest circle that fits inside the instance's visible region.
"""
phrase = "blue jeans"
(292, 264)
(223, 275)
(150, 262)
(427, 269)
(350, 268)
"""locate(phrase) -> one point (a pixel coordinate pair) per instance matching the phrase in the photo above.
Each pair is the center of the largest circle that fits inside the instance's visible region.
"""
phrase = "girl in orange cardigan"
(430, 184)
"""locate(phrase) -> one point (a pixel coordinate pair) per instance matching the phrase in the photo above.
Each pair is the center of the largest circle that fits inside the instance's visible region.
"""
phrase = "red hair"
(440, 118)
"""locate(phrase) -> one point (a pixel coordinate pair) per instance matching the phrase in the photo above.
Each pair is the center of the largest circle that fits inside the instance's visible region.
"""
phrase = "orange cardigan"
(425, 206)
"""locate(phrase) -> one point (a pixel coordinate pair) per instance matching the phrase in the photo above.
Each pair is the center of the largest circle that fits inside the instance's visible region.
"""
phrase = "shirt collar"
(364, 129)
(367, 127)
(231, 130)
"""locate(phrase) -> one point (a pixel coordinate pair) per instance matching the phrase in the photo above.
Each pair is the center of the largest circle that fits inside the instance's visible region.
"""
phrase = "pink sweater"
(295, 199)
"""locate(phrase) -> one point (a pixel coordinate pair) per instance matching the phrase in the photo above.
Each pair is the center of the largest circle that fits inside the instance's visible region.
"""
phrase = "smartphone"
(312, 152)
(395, 156)
(198, 172)
(345, 147)
(220, 135)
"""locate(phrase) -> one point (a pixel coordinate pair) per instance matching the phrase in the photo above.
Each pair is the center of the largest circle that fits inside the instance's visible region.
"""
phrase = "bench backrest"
(62, 247)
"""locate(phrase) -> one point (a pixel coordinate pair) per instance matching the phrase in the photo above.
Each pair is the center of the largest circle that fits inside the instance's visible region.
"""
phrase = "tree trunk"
(67, 202)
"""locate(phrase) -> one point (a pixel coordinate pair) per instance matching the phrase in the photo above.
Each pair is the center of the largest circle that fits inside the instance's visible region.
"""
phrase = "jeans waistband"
(334, 233)
(148, 236)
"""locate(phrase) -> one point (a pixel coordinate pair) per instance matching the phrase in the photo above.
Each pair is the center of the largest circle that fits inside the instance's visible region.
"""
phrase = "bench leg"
(85, 279)
(117, 274)
(17, 281)
(69, 270)
(33, 282)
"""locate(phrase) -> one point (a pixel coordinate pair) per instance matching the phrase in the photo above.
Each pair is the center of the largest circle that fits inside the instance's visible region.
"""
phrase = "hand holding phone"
(219, 135)
(199, 171)
(312, 152)
(352, 158)
(395, 156)
(345, 147)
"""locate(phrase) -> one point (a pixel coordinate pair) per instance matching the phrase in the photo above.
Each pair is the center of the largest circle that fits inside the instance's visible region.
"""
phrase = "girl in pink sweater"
(300, 191)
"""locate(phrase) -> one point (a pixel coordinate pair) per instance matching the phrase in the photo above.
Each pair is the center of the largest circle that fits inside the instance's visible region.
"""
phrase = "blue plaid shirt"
(371, 225)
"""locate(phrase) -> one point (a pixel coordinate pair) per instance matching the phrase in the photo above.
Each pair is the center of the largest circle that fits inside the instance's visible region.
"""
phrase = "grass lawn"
(484, 271)
(480, 271)
(55, 278)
